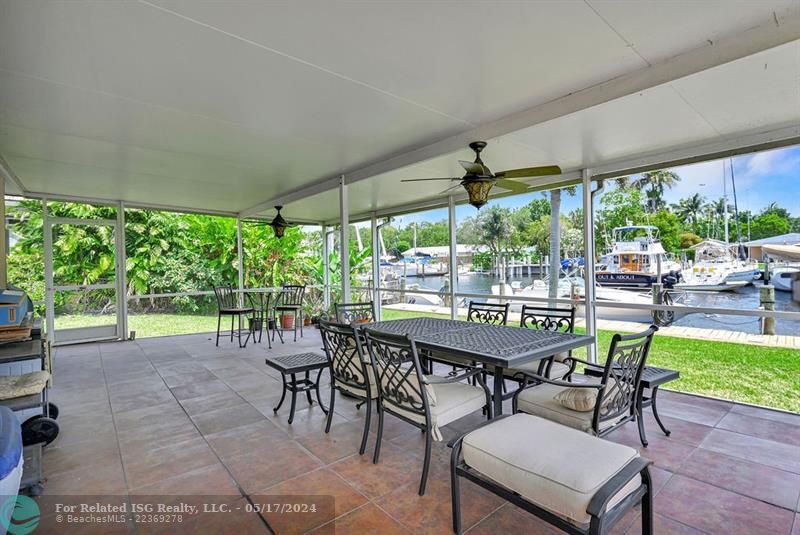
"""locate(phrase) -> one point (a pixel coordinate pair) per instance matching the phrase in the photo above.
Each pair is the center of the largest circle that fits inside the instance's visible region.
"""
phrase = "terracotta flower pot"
(287, 321)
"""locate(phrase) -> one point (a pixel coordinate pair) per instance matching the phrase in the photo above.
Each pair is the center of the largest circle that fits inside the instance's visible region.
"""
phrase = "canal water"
(743, 298)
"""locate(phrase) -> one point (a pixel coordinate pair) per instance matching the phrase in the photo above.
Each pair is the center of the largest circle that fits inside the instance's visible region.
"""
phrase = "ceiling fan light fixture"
(279, 224)
(478, 190)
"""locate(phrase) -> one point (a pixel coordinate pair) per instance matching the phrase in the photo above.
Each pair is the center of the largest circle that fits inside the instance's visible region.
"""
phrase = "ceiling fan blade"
(451, 188)
(545, 170)
(424, 179)
(474, 168)
(512, 185)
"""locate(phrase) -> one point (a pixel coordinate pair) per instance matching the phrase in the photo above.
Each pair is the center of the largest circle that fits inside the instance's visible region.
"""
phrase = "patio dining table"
(496, 346)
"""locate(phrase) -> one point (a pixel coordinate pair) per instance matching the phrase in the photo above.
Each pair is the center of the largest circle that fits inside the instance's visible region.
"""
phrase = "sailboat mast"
(725, 201)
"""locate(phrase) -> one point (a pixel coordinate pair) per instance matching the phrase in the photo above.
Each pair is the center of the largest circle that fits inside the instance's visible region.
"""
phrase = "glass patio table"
(496, 346)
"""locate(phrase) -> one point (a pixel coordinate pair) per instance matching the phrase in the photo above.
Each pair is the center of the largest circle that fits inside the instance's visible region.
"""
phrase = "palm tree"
(655, 183)
(690, 208)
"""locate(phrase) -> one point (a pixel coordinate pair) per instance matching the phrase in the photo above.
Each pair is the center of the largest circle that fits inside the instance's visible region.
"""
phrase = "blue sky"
(761, 178)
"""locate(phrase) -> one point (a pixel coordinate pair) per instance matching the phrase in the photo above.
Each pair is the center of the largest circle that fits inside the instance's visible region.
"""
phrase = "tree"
(690, 208)
(768, 224)
(654, 183)
(494, 228)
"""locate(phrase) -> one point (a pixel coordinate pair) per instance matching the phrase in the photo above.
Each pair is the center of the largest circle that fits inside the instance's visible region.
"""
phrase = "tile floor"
(173, 419)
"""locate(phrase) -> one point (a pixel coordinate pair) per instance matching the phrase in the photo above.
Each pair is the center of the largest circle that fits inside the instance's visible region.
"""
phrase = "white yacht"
(615, 296)
(635, 259)
(717, 269)
(782, 276)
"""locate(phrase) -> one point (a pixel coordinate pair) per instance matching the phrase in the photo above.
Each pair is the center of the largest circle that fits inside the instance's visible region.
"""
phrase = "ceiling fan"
(478, 180)
(278, 223)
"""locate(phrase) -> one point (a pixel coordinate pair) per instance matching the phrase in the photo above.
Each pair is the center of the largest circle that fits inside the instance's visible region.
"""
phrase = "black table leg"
(497, 392)
(308, 393)
(294, 398)
(283, 394)
(316, 387)
(655, 410)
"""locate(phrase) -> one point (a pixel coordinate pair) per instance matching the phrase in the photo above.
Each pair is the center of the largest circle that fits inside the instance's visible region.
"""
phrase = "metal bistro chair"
(426, 402)
(263, 316)
(351, 371)
(559, 366)
(599, 405)
(488, 313)
(228, 305)
(290, 299)
(350, 313)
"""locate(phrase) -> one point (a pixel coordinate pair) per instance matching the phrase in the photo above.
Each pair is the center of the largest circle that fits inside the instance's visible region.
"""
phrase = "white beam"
(589, 256)
(772, 33)
(122, 274)
(240, 260)
(453, 267)
(326, 267)
(376, 267)
(344, 240)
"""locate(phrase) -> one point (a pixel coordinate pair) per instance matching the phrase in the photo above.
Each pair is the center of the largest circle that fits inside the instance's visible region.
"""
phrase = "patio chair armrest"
(527, 379)
(584, 362)
(599, 501)
(436, 380)
(460, 437)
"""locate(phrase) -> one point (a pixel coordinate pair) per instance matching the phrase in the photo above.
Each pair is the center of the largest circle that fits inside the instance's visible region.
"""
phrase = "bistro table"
(496, 346)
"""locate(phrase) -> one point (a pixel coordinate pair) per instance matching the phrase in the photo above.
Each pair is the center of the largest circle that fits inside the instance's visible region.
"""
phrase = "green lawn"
(748, 373)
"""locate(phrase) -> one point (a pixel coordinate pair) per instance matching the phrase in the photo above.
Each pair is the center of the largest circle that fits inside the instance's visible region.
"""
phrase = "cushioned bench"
(577, 482)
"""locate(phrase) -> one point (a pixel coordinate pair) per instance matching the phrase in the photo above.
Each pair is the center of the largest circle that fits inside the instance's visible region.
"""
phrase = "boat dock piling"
(766, 295)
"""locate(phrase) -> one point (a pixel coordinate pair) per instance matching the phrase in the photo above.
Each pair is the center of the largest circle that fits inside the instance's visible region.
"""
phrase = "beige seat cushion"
(540, 401)
(373, 389)
(557, 370)
(553, 466)
(453, 401)
(16, 386)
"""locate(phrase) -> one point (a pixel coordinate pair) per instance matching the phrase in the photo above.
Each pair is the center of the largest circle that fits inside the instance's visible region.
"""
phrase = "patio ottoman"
(572, 480)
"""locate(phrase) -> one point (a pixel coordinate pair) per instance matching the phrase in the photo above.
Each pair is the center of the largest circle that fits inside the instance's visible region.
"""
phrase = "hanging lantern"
(478, 190)
(279, 224)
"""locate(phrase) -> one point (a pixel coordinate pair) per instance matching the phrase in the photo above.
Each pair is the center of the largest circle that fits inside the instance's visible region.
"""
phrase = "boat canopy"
(787, 253)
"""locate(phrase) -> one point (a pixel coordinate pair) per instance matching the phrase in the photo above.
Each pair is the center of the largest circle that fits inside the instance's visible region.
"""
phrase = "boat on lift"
(783, 276)
(717, 269)
(635, 259)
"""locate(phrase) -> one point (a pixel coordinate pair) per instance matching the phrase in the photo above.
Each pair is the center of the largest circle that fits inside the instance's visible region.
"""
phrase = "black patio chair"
(290, 300)
(263, 316)
(426, 402)
(488, 313)
(553, 319)
(613, 401)
(354, 312)
(228, 305)
(351, 371)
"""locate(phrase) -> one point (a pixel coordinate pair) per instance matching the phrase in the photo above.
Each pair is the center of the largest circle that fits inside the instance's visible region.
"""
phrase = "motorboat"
(636, 258)
(717, 269)
(575, 285)
(783, 276)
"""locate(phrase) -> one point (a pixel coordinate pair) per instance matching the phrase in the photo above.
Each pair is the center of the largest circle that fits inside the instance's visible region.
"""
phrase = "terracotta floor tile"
(712, 509)
(307, 420)
(697, 413)
(432, 513)
(50, 524)
(102, 479)
(227, 418)
(60, 457)
(775, 454)
(329, 493)
(796, 528)
(248, 439)
(396, 468)
(237, 520)
(148, 467)
(183, 367)
(761, 427)
(367, 519)
(136, 400)
(512, 519)
(211, 402)
(663, 525)
(768, 414)
(188, 378)
(208, 480)
(260, 469)
(196, 390)
(665, 452)
(343, 440)
(751, 479)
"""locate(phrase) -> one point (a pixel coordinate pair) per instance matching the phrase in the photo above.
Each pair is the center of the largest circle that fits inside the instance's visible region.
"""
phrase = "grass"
(765, 376)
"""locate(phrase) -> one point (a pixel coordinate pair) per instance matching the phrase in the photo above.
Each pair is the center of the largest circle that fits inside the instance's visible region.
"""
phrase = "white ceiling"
(223, 105)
